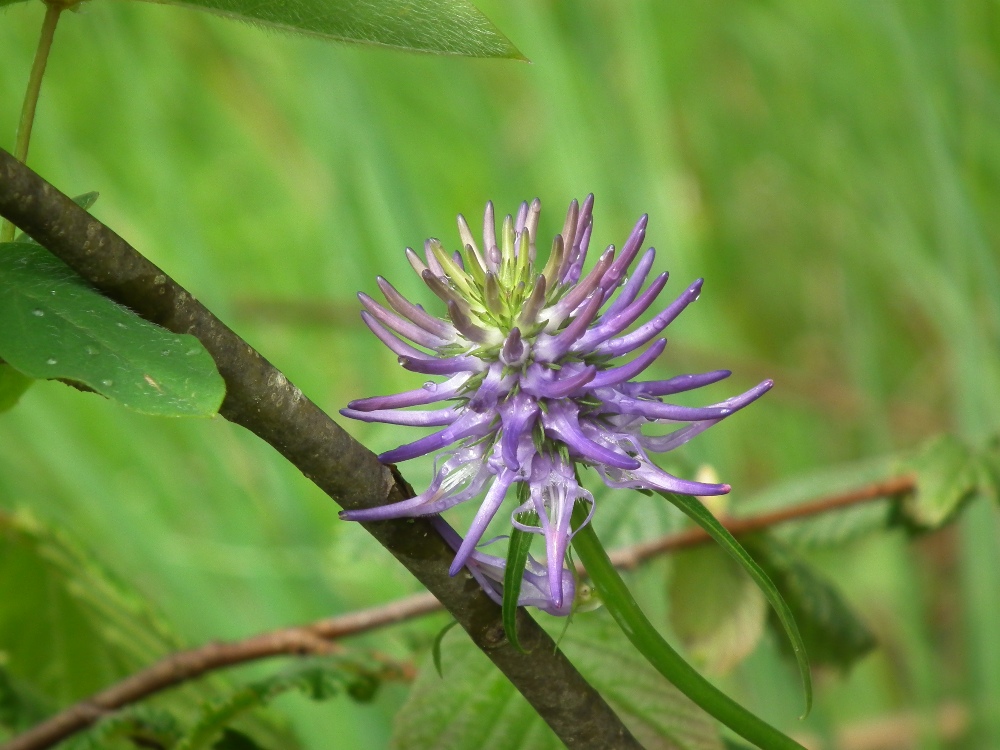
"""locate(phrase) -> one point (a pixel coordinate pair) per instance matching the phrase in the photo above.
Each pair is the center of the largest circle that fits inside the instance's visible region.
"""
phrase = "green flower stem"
(640, 631)
(23, 138)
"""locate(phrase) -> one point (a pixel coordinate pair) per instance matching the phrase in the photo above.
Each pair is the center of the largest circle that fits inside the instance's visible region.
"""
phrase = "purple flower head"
(536, 385)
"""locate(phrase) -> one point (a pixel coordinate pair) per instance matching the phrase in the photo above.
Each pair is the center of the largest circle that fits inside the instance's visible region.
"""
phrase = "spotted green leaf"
(53, 325)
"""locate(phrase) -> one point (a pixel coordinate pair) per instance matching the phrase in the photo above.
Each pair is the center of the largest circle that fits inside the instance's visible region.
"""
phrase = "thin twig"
(315, 637)
(630, 557)
(260, 398)
(182, 666)
(23, 136)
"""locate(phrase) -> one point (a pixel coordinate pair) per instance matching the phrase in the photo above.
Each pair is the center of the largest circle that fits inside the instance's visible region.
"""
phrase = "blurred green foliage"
(830, 168)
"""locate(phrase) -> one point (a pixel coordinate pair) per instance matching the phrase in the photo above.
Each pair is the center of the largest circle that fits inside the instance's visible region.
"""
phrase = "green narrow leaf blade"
(449, 27)
(513, 574)
(54, 325)
(436, 647)
(12, 385)
(698, 513)
(647, 640)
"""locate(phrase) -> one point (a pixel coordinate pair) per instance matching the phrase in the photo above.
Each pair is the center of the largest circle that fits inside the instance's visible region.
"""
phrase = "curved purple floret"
(535, 384)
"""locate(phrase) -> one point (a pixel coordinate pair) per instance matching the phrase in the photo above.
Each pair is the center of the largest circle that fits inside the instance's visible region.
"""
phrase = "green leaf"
(12, 385)
(989, 469)
(10, 2)
(450, 27)
(436, 647)
(319, 679)
(947, 473)
(693, 508)
(20, 707)
(715, 608)
(513, 574)
(834, 635)
(53, 325)
(621, 605)
(477, 707)
(234, 740)
(53, 591)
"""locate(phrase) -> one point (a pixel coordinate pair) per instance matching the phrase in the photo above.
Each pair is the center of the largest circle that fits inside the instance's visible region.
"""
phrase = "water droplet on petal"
(431, 386)
(51, 361)
(38, 313)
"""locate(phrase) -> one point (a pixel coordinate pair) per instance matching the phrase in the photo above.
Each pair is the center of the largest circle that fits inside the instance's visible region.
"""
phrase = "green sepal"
(53, 325)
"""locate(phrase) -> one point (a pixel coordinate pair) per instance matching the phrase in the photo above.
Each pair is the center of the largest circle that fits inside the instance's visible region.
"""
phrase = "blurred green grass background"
(832, 169)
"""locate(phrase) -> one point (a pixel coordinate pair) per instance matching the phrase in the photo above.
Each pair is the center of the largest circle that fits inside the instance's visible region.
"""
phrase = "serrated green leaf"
(53, 591)
(693, 509)
(12, 385)
(136, 726)
(450, 27)
(319, 679)
(947, 473)
(834, 635)
(20, 706)
(53, 325)
(715, 608)
(835, 529)
(477, 707)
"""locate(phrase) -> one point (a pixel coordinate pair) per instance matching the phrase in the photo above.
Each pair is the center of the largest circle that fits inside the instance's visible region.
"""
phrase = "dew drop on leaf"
(51, 361)
(107, 383)
(38, 313)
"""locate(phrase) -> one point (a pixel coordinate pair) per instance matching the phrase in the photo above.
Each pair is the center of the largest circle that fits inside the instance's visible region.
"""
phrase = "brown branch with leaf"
(318, 637)
(261, 399)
